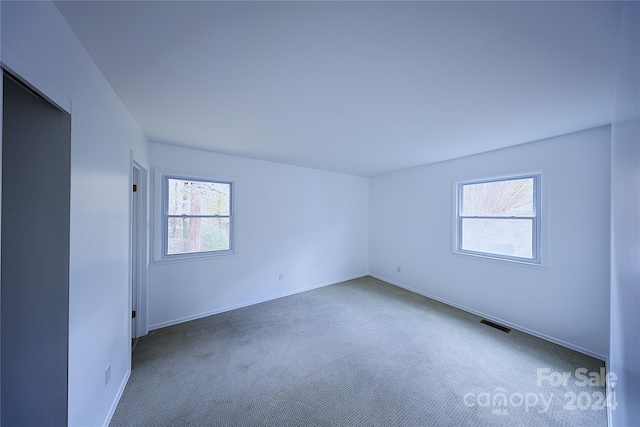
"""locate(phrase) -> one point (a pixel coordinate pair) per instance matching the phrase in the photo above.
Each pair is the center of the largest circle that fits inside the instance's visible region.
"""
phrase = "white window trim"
(540, 236)
(160, 236)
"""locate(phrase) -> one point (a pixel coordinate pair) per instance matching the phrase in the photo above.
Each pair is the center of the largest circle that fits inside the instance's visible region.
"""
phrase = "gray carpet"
(358, 353)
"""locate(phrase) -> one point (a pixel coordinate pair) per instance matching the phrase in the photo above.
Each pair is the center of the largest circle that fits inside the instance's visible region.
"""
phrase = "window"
(500, 218)
(197, 217)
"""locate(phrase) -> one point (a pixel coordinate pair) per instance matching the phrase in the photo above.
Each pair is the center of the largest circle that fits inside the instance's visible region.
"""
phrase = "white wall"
(567, 301)
(102, 137)
(309, 225)
(624, 357)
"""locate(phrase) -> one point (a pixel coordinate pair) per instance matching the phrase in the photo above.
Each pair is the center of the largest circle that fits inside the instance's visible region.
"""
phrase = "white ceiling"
(357, 87)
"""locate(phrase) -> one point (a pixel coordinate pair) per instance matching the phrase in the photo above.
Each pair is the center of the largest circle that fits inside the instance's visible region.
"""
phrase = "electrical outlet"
(281, 276)
(107, 375)
(399, 269)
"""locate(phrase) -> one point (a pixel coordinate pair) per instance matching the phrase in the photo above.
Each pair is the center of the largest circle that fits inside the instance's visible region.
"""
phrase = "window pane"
(511, 237)
(189, 235)
(187, 197)
(499, 198)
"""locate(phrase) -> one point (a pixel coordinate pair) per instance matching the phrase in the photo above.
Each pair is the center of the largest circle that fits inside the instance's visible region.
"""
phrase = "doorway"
(139, 258)
(36, 177)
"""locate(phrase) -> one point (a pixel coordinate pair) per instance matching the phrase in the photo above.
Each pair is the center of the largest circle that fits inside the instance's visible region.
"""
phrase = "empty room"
(320, 213)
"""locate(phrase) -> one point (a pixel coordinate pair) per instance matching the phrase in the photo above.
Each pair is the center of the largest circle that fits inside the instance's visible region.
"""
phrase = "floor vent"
(495, 325)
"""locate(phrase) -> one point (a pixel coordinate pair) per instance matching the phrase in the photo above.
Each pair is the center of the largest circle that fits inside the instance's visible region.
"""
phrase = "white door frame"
(139, 262)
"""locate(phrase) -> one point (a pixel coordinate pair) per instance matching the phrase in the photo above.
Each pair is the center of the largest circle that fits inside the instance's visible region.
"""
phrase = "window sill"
(195, 257)
(501, 260)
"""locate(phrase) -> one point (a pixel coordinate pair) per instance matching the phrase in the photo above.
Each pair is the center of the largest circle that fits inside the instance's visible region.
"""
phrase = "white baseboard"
(114, 405)
(495, 319)
(248, 303)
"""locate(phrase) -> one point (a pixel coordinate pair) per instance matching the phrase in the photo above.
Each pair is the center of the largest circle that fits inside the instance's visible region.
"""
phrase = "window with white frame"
(500, 218)
(197, 217)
